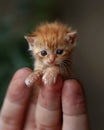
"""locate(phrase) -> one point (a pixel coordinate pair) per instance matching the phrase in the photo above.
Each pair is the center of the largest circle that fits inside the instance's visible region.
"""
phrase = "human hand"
(60, 107)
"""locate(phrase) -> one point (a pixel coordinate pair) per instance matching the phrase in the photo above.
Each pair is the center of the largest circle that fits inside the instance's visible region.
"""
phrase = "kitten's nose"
(52, 59)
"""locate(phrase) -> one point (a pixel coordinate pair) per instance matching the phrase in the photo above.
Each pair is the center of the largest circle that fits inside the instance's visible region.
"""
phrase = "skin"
(59, 107)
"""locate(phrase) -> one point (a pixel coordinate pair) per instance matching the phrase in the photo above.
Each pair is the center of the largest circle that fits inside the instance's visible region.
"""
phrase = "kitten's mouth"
(52, 64)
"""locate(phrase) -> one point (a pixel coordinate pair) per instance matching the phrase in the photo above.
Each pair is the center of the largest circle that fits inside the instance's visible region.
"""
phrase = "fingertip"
(73, 98)
(23, 71)
(17, 88)
(73, 84)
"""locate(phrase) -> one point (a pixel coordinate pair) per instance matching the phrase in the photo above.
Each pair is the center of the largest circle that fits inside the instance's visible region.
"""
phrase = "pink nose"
(52, 59)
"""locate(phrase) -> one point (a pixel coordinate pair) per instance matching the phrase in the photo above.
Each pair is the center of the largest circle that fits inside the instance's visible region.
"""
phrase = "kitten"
(51, 45)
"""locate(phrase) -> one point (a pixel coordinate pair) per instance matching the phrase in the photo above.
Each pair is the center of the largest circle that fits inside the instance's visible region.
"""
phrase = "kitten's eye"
(59, 51)
(43, 53)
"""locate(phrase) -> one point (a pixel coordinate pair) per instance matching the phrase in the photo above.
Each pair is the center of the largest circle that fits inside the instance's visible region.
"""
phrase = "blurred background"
(18, 17)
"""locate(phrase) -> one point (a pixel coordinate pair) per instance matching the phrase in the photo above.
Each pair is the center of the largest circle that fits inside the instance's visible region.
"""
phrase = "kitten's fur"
(51, 45)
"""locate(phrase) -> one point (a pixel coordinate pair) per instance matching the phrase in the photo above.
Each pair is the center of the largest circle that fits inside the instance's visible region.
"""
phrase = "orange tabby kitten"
(51, 45)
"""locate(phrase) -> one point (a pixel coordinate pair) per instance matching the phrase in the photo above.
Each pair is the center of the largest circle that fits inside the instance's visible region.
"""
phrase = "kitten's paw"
(33, 77)
(28, 82)
(49, 77)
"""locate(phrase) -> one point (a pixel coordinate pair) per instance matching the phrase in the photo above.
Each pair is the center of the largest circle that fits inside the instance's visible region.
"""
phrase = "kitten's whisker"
(68, 61)
(66, 67)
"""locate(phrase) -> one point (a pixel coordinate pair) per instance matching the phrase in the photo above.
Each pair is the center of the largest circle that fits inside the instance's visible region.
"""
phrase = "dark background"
(18, 17)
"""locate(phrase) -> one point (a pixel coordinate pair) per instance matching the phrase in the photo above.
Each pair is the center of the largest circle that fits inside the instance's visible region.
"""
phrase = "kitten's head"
(52, 43)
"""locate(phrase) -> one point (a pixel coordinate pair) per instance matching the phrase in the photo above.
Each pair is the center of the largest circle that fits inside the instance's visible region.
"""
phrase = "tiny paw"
(49, 79)
(33, 77)
(28, 82)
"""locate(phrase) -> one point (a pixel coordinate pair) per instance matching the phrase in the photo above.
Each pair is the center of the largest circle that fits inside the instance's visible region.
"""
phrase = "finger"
(48, 110)
(15, 102)
(74, 107)
(30, 119)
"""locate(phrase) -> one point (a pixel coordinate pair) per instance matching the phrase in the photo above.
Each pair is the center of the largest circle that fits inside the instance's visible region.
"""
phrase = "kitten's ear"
(30, 39)
(71, 37)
